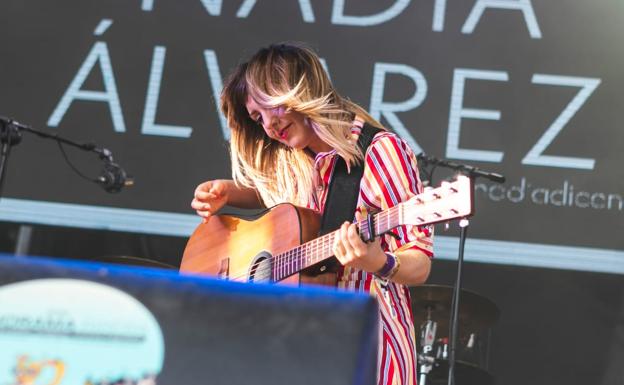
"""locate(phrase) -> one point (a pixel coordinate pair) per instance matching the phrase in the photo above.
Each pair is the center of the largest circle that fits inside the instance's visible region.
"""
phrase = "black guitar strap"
(343, 195)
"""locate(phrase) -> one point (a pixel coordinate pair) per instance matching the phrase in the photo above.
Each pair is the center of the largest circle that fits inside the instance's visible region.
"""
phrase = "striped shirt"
(390, 176)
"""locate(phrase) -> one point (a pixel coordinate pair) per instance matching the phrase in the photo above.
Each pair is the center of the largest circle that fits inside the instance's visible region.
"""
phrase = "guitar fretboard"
(310, 253)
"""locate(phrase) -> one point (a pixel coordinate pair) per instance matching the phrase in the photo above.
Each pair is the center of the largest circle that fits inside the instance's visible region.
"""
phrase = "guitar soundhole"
(261, 270)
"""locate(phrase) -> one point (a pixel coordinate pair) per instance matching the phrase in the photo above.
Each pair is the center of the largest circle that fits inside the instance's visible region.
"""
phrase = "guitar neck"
(452, 200)
(310, 253)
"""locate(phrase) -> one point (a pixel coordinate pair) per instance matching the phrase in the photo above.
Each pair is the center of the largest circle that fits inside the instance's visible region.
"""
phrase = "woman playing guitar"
(288, 126)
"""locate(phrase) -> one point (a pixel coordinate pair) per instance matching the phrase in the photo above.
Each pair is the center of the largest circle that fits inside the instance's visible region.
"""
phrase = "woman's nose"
(271, 123)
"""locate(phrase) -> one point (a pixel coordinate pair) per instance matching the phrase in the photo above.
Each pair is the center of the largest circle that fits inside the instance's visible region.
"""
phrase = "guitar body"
(239, 248)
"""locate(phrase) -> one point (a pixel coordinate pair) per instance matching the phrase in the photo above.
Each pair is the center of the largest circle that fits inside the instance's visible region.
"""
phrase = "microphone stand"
(473, 173)
(11, 134)
(463, 224)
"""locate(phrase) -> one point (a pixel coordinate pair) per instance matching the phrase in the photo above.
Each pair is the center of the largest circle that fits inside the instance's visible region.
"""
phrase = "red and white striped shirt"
(390, 176)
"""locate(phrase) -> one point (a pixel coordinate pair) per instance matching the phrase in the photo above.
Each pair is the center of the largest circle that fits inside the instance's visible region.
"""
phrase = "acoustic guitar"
(281, 242)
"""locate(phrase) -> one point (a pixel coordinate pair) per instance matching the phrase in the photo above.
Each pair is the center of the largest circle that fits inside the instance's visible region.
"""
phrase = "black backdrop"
(504, 85)
(516, 87)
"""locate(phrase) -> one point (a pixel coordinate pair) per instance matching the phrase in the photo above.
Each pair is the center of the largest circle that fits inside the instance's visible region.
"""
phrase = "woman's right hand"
(209, 197)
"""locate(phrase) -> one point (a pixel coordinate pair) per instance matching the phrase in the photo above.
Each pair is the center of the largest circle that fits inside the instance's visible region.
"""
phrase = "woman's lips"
(283, 132)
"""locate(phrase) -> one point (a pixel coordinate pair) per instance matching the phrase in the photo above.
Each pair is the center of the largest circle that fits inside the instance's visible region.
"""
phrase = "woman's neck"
(318, 145)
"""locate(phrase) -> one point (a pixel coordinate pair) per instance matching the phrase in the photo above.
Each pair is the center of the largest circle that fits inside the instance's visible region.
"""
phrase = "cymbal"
(475, 311)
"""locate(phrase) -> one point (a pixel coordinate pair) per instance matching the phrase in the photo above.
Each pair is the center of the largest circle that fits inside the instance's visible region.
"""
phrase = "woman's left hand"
(351, 251)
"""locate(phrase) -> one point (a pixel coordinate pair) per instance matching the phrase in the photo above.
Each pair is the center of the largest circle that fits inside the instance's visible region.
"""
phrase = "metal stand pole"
(9, 136)
(455, 305)
(24, 235)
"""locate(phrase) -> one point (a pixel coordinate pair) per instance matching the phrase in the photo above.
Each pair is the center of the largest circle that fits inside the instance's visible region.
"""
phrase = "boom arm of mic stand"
(104, 153)
(82, 146)
(470, 170)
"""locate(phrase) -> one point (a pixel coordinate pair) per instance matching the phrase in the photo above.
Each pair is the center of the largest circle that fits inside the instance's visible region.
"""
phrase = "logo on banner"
(68, 331)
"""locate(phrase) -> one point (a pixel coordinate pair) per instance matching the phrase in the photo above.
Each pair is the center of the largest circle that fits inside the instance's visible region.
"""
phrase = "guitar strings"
(279, 263)
(286, 262)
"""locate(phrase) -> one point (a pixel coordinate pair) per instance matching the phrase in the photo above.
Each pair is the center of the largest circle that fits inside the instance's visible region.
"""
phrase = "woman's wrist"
(227, 189)
(390, 268)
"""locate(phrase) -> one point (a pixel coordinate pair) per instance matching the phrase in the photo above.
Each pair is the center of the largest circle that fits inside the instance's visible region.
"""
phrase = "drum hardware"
(431, 306)
(427, 338)
(442, 349)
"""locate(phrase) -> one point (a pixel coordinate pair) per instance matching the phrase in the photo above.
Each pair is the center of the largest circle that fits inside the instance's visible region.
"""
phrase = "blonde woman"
(288, 126)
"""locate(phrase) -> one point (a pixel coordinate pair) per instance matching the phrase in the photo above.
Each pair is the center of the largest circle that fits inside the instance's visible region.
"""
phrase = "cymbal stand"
(427, 337)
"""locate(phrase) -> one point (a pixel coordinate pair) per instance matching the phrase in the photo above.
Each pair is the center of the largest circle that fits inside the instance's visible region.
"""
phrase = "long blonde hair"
(288, 76)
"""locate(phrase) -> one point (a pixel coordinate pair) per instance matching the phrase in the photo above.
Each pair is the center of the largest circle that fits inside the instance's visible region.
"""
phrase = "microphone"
(113, 177)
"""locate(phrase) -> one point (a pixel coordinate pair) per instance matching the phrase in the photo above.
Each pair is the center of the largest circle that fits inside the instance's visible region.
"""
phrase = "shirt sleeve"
(390, 177)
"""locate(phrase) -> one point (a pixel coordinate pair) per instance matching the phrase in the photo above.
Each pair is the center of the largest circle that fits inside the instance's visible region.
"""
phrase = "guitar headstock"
(452, 200)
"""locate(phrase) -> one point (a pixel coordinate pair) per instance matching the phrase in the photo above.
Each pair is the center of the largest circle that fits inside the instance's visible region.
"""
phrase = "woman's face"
(288, 128)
